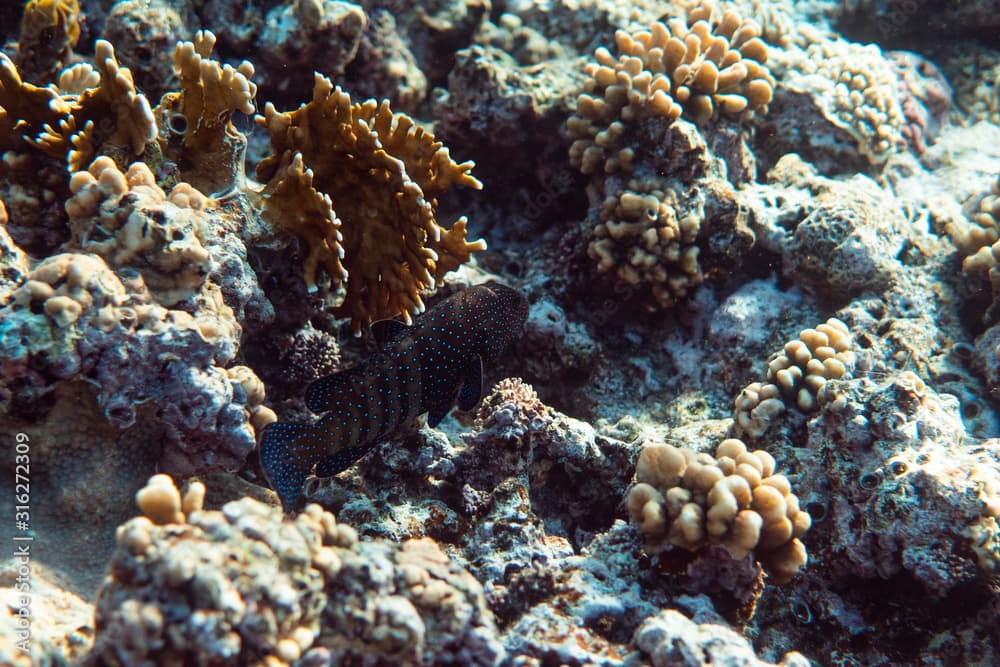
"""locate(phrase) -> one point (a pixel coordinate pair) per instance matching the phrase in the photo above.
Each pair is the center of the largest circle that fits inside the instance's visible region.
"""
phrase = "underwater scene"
(528, 333)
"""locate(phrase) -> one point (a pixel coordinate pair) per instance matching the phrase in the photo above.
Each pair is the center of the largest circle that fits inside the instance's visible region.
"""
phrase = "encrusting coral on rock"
(242, 583)
(735, 499)
(130, 222)
(72, 316)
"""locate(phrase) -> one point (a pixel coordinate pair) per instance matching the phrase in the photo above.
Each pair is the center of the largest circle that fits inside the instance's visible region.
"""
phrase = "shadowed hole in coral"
(971, 410)
(514, 268)
(177, 123)
(801, 611)
(817, 511)
(963, 351)
(923, 459)
(870, 480)
(898, 468)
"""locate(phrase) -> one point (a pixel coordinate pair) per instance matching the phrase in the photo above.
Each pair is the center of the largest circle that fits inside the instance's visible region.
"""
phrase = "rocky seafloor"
(752, 418)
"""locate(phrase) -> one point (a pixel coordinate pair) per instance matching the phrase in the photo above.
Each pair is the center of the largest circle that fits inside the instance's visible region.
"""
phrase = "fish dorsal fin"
(386, 331)
(472, 384)
(323, 394)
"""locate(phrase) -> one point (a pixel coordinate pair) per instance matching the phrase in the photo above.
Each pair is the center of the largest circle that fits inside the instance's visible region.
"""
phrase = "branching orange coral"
(24, 108)
(111, 114)
(213, 149)
(383, 175)
(49, 31)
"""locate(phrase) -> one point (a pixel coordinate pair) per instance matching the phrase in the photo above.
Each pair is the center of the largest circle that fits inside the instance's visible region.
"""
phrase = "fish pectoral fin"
(439, 412)
(471, 391)
(287, 453)
(341, 460)
(387, 330)
(322, 394)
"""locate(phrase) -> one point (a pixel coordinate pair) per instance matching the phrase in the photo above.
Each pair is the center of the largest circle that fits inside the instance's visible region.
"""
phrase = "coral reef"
(676, 189)
(225, 586)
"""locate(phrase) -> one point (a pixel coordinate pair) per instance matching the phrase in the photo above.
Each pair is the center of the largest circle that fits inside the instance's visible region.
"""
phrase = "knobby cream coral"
(734, 499)
(702, 66)
(797, 376)
(644, 239)
(130, 222)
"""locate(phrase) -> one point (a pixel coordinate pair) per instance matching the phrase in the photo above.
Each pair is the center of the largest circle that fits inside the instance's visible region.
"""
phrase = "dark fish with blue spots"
(427, 367)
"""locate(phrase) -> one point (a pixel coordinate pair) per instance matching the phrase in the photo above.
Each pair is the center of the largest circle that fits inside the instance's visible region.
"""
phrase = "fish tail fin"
(288, 453)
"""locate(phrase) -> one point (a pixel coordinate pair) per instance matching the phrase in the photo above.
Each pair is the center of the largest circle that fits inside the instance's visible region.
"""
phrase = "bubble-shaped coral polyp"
(702, 66)
(734, 499)
(797, 376)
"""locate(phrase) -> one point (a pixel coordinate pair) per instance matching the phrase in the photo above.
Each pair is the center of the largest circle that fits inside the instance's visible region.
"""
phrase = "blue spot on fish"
(423, 368)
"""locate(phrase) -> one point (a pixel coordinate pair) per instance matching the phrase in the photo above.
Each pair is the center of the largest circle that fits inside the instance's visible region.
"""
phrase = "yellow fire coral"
(24, 108)
(702, 66)
(49, 31)
(383, 175)
(213, 149)
(798, 375)
(734, 499)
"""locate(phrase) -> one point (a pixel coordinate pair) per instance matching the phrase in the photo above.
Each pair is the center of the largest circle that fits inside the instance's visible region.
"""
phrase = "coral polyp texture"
(798, 377)
(383, 174)
(735, 499)
(130, 222)
(702, 66)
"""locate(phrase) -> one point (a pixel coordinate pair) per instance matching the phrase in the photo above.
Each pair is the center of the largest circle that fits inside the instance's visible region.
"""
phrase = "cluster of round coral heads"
(798, 376)
(734, 499)
(704, 66)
